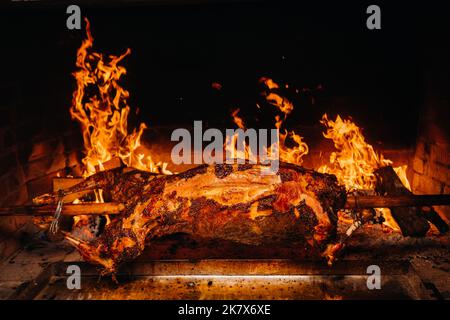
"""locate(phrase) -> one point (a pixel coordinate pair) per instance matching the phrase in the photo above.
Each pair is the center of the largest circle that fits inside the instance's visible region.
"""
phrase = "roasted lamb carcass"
(232, 202)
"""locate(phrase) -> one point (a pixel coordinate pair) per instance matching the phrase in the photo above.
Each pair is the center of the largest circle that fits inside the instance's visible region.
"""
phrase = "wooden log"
(109, 208)
(432, 216)
(364, 202)
(65, 183)
(110, 164)
(411, 220)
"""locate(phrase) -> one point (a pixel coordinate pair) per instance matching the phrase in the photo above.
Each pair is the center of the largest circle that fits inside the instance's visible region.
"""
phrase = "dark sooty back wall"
(178, 51)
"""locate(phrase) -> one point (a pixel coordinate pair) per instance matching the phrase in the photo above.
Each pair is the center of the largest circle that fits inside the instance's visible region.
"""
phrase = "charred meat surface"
(231, 202)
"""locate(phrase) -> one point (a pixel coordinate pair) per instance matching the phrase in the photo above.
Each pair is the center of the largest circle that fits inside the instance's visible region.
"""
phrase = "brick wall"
(30, 155)
(431, 167)
(431, 162)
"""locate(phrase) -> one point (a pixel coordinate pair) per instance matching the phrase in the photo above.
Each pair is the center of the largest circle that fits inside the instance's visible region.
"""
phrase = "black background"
(179, 49)
(279, 309)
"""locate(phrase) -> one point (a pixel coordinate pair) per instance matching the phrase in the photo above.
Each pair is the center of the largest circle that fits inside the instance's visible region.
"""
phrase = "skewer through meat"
(232, 202)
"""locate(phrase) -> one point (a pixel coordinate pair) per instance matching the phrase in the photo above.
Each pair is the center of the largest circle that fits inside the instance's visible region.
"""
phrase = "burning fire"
(298, 148)
(100, 105)
(231, 147)
(353, 163)
(355, 160)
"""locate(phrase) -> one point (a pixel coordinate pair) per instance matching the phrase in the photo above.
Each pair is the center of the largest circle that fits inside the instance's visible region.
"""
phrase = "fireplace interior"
(216, 62)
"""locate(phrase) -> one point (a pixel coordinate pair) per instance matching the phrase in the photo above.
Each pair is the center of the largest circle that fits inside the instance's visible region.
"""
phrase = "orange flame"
(231, 144)
(237, 119)
(298, 148)
(295, 153)
(355, 160)
(100, 105)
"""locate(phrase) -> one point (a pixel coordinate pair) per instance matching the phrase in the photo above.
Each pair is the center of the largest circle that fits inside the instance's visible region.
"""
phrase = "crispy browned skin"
(232, 202)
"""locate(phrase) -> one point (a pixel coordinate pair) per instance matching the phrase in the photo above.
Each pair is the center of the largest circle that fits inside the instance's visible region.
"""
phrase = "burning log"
(432, 216)
(115, 162)
(65, 183)
(412, 220)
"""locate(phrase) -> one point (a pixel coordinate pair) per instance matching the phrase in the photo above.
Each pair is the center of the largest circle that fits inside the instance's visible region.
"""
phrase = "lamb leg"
(97, 181)
(120, 184)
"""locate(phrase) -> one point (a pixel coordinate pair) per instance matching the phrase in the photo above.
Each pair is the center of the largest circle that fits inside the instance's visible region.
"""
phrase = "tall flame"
(100, 105)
